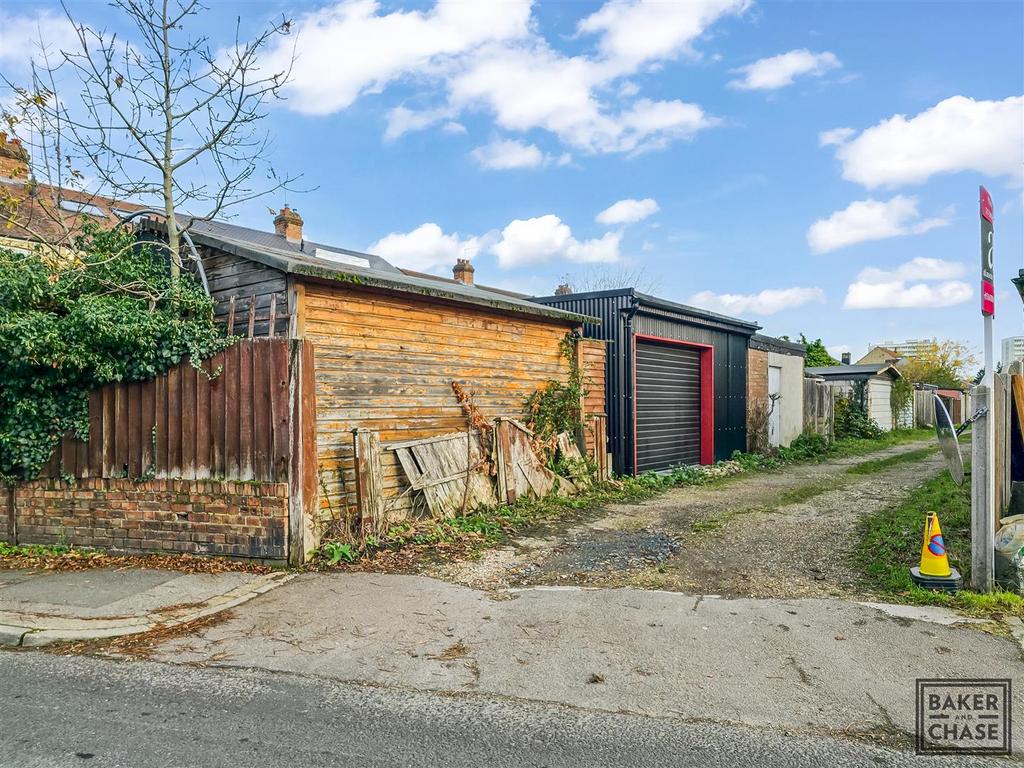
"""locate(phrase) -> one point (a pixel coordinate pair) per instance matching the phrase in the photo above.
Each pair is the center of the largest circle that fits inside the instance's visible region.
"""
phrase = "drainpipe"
(630, 376)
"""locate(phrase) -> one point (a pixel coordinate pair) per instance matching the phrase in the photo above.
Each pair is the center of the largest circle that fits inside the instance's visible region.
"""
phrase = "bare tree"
(605, 278)
(166, 116)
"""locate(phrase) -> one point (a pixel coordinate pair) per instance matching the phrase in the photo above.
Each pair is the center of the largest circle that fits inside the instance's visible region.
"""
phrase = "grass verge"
(890, 543)
(878, 465)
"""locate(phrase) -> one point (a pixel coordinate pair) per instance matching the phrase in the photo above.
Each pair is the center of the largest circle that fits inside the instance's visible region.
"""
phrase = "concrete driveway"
(807, 665)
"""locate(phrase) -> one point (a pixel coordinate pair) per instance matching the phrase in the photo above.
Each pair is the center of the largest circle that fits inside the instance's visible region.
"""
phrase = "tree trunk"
(173, 240)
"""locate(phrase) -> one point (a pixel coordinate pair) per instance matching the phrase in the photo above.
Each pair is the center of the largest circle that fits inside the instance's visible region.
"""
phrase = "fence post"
(982, 497)
(369, 481)
(303, 496)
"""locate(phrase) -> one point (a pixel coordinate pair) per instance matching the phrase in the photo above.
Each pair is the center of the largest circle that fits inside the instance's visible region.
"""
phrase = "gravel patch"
(771, 534)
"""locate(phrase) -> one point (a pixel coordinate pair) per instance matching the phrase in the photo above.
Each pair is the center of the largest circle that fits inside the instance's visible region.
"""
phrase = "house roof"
(877, 354)
(43, 212)
(643, 300)
(866, 371)
(318, 261)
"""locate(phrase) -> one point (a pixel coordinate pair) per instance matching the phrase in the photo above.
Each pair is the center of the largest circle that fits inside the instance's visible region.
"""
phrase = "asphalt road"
(60, 711)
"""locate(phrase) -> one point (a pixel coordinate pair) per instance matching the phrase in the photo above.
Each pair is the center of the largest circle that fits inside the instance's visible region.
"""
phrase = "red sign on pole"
(988, 289)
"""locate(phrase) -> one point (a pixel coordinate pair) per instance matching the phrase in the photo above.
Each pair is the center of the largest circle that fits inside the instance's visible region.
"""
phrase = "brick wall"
(5, 511)
(193, 516)
(757, 393)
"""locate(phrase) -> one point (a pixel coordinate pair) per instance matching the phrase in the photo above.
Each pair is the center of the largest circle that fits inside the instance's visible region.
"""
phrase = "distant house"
(32, 212)
(882, 355)
(872, 383)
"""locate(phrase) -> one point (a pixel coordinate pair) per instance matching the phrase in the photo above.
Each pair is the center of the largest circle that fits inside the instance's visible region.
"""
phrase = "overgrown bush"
(107, 311)
(852, 421)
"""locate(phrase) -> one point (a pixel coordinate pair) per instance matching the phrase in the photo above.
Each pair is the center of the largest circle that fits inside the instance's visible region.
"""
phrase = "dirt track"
(771, 534)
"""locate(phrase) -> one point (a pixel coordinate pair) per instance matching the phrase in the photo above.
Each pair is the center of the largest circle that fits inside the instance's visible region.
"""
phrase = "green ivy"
(108, 311)
(556, 407)
(900, 398)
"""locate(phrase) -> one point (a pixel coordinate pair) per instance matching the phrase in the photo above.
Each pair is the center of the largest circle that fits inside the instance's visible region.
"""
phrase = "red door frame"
(707, 394)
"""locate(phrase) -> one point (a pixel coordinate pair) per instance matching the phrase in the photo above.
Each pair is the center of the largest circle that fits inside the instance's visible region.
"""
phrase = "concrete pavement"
(804, 665)
(81, 711)
(39, 607)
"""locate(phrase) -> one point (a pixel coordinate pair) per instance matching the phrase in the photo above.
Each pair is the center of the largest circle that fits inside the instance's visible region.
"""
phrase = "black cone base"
(952, 583)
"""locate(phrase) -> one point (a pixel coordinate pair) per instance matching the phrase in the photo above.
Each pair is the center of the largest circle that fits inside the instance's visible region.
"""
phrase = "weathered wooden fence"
(819, 402)
(924, 408)
(227, 418)
(247, 414)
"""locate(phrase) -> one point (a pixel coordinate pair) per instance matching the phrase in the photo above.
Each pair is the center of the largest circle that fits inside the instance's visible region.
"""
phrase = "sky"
(812, 166)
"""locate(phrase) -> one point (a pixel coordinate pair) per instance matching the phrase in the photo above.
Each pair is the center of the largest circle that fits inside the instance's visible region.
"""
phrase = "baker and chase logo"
(963, 717)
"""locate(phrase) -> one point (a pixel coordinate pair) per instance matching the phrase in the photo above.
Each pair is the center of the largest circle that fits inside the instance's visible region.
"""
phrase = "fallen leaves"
(85, 559)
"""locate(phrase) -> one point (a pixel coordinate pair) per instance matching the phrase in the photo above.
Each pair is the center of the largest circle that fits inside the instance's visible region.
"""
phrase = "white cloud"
(427, 248)
(835, 137)
(349, 48)
(920, 268)
(896, 288)
(508, 154)
(957, 134)
(634, 32)
(779, 71)
(767, 302)
(537, 87)
(489, 57)
(402, 120)
(837, 350)
(20, 37)
(865, 220)
(454, 128)
(898, 295)
(627, 211)
(541, 239)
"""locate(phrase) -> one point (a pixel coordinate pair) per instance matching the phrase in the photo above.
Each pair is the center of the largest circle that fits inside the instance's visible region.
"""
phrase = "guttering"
(629, 367)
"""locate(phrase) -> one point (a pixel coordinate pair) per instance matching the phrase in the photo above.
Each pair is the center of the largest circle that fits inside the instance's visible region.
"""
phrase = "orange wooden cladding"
(387, 364)
(186, 425)
(592, 356)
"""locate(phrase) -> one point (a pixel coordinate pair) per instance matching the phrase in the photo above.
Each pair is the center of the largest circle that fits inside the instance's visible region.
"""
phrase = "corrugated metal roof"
(276, 252)
(692, 314)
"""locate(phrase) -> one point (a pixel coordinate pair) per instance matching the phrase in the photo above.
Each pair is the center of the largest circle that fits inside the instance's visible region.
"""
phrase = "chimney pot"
(13, 158)
(563, 289)
(463, 271)
(288, 224)
(845, 357)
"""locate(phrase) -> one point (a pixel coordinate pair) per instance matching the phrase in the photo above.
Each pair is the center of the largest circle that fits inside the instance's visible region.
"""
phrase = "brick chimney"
(563, 289)
(845, 357)
(288, 224)
(463, 271)
(13, 158)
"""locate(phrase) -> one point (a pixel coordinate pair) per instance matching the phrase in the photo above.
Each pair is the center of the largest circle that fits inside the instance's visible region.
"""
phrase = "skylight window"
(87, 208)
(342, 258)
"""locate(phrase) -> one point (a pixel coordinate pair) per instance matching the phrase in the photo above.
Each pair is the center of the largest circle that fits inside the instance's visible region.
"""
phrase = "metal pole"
(982, 495)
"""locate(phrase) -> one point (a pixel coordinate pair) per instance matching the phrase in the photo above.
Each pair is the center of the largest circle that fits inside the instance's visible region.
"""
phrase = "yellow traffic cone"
(935, 571)
(933, 549)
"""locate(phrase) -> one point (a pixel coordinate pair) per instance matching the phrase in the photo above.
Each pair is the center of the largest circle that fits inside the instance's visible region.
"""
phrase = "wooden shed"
(871, 383)
(388, 343)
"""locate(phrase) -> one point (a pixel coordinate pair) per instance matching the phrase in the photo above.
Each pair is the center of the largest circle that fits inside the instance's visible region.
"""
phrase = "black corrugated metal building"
(676, 386)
